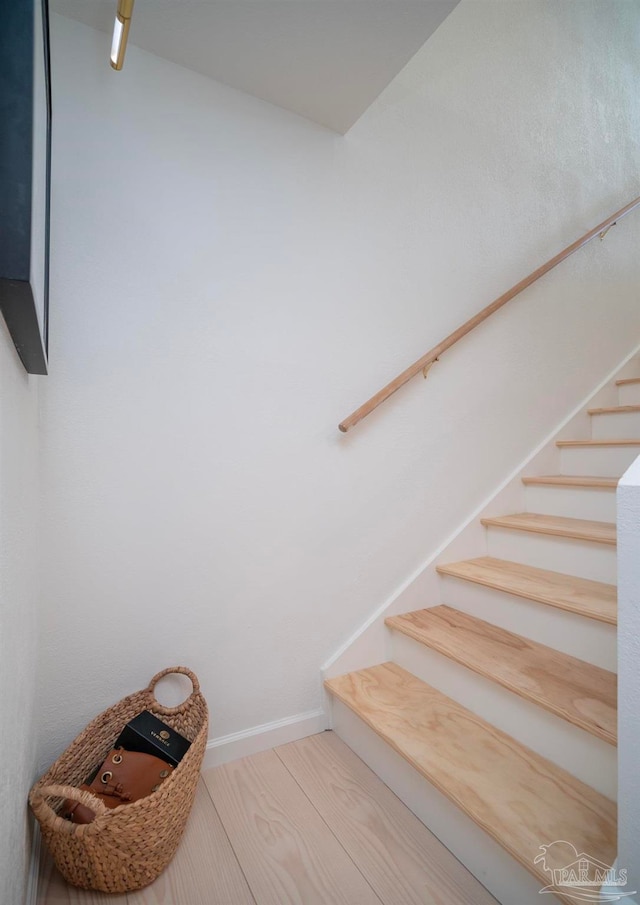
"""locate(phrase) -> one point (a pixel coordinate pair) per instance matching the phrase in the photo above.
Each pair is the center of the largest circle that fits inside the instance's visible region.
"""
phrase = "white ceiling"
(325, 59)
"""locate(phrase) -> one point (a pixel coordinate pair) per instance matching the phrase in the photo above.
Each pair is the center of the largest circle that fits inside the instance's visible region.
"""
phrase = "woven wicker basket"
(126, 847)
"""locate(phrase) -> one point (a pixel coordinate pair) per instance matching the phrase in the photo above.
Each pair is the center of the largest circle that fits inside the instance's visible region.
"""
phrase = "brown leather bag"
(124, 776)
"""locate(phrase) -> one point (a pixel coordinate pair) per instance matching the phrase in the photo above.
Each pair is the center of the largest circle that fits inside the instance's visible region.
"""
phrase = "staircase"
(495, 718)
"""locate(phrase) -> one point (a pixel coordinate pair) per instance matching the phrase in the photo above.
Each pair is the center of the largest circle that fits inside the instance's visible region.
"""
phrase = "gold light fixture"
(121, 33)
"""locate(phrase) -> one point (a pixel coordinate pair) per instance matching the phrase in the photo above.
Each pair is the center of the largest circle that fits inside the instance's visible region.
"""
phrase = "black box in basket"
(147, 733)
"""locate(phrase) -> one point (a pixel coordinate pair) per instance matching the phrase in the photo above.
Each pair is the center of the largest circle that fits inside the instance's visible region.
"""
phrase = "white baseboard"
(260, 738)
(31, 897)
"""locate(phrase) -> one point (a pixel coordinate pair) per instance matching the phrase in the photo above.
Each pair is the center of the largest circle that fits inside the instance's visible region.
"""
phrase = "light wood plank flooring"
(305, 824)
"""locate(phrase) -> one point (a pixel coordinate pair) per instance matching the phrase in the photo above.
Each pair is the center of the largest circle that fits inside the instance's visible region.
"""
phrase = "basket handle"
(43, 810)
(180, 670)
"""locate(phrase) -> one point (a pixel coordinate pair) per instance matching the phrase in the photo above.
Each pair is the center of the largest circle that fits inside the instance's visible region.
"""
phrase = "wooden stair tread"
(562, 480)
(578, 692)
(593, 599)
(614, 409)
(518, 797)
(556, 525)
(627, 381)
(587, 443)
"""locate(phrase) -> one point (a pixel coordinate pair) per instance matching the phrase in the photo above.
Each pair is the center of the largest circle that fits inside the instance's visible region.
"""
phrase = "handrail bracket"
(605, 231)
(427, 367)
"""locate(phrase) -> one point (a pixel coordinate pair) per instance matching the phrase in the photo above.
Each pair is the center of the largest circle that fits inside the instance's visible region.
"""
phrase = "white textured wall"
(629, 674)
(18, 598)
(229, 281)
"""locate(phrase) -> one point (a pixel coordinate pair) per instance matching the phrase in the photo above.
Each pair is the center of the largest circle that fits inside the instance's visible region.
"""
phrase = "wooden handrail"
(424, 363)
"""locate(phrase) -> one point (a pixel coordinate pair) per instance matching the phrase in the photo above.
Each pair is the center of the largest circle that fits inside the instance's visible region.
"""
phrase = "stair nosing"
(575, 534)
(622, 441)
(591, 482)
(509, 588)
(614, 410)
(402, 624)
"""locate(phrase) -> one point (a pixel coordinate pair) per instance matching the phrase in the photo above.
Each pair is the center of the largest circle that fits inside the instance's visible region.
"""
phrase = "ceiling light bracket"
(121, 33)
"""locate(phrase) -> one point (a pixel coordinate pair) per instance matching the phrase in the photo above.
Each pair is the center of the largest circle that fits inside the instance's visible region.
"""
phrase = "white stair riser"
(629, 394)
(585, 559)
(574, 502)
(581, 637)
(588, 758)
(615, 426)
(611, 461)
(504, 877)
